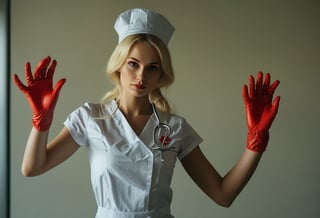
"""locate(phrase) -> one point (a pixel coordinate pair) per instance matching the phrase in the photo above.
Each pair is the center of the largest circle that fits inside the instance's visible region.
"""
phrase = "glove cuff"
(42, 122)
(257, 141)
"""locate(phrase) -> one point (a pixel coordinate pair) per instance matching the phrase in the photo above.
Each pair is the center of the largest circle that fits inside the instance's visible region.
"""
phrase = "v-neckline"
(138, 130)
(144, 129)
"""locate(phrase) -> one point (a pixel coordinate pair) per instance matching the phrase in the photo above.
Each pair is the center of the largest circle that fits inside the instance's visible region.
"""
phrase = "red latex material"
(39, 92)
(261, 110)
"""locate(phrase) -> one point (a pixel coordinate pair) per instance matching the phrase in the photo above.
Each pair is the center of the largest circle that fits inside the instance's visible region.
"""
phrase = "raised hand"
(261, 110)
(40, 93)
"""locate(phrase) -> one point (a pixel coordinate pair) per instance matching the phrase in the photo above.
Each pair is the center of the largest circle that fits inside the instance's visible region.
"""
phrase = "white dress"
(129, 178)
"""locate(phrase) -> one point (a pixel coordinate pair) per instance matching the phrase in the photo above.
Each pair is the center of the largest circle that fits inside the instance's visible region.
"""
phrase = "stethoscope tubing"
(160, 125)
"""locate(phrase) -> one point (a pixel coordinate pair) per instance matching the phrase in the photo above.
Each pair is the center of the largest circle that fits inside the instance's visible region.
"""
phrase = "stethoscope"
(161, 135)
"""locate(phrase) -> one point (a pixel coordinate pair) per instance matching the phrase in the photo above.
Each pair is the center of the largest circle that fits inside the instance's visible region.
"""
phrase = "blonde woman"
(133, 137)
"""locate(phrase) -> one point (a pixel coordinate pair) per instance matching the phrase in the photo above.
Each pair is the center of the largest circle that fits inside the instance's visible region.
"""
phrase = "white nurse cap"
(145, 21)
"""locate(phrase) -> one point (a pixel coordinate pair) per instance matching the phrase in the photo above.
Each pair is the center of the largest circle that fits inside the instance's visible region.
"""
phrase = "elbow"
(224, 199)
(224, 202)
(27, 172)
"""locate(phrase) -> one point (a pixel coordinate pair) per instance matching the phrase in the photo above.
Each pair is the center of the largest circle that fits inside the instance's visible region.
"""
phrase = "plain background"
(216, 46)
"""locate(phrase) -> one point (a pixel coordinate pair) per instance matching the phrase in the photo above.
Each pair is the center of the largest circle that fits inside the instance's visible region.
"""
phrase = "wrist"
(257, 141)
(42, 122)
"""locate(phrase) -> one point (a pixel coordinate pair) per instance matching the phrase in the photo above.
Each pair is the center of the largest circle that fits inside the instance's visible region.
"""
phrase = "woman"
(133, 138)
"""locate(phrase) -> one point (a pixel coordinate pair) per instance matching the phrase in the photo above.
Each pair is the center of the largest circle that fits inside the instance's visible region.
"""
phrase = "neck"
(135, 107)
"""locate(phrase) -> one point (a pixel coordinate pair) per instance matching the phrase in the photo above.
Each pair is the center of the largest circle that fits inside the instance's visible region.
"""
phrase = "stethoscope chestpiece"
(161, 135)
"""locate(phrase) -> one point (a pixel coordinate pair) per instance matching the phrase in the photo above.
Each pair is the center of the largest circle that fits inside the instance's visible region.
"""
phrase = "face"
(141, 71)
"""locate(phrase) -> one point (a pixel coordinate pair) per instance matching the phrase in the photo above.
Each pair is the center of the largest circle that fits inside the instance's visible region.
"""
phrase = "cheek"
(159, 79)
(123, 79)
(125, 75)
(157, 76)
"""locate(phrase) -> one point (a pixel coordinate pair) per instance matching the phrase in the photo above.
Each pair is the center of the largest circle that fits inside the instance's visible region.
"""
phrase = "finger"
(28, 73)
(41, 69)
(273, 87)
(266, 84)
(51, 69)
(245, 95)
(252, 86)
(19, 84)
(259, 83)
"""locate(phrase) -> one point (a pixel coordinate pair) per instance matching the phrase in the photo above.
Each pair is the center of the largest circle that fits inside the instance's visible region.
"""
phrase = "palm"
(260, 110)
(40, 93)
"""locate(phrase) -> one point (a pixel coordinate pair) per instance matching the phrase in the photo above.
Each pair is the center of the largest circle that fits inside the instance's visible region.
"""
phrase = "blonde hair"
(118, 57)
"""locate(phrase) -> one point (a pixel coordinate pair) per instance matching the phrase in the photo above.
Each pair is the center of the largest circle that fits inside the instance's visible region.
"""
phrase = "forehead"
(144, 52)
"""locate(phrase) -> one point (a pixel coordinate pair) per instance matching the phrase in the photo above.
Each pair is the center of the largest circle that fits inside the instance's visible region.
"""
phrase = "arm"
(39, 157)
(42, 97)
(222, 190)
(260, 113)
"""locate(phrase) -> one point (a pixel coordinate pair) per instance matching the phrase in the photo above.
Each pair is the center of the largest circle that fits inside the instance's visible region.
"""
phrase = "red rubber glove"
(39, 93)
(260, 110)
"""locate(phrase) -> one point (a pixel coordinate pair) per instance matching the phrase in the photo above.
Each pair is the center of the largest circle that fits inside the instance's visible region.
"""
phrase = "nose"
(141, 73)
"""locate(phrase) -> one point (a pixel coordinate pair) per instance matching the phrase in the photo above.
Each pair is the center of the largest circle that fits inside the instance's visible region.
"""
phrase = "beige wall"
(217, 44)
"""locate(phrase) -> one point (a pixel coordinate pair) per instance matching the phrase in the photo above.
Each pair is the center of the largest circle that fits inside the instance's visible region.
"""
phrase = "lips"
(139, 86)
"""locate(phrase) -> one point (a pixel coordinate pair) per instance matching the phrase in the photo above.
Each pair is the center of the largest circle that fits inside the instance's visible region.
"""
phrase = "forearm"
(35, 154)
(236, 179)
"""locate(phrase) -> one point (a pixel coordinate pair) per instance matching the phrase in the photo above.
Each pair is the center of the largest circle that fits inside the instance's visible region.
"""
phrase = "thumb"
(274, 111)
(58, 86)
(275, 104)
(19, 84)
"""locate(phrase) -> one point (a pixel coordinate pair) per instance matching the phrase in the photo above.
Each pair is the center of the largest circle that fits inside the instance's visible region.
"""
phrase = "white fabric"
(127, 176)
(145, 21)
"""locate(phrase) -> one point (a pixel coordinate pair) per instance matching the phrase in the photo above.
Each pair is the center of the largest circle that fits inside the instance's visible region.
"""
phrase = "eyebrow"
(135, 59)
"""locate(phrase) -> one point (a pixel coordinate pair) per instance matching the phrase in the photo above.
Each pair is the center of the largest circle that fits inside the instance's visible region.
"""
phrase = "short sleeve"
(77, 123)
(190, 139)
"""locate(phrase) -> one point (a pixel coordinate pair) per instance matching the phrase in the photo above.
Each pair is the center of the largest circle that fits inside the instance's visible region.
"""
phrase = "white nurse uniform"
(129, 178)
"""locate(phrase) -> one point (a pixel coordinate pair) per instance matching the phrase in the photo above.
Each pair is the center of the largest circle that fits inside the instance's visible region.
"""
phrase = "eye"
(154, 68)
(133, 64)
